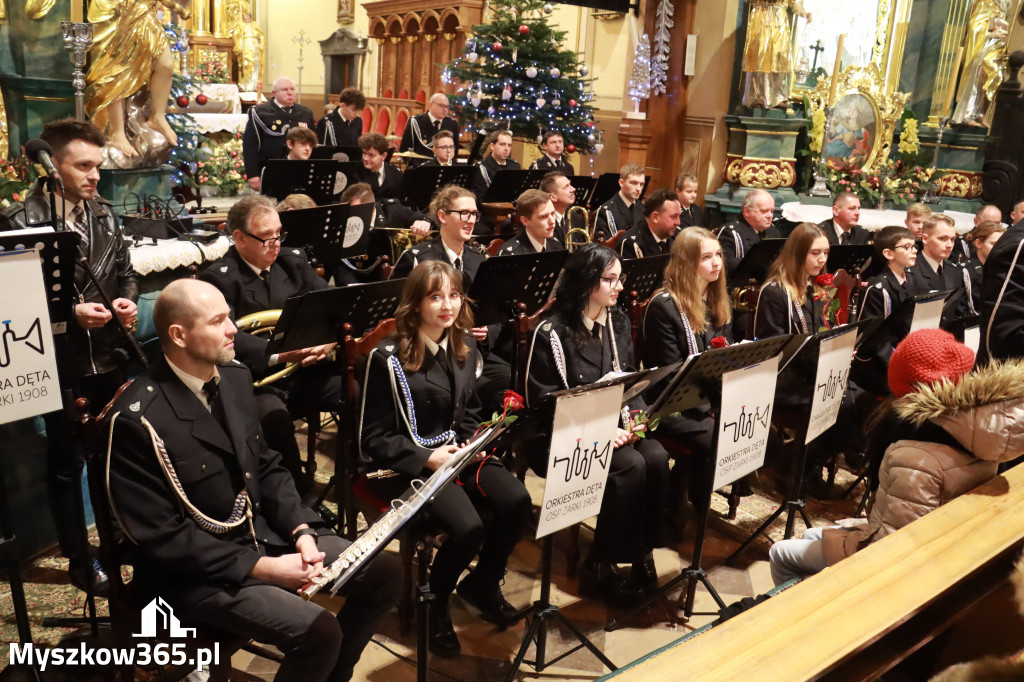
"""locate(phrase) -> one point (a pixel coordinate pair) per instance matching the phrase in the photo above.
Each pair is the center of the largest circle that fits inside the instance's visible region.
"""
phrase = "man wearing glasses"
(444, 149)
(420, 131)
(258, 274)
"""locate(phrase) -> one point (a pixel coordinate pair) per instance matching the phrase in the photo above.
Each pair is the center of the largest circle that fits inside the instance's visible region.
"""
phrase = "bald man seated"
(268, 126)
(228, 544)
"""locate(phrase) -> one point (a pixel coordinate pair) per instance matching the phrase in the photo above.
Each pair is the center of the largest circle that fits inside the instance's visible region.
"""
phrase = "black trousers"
(316, 644)
(486, 514)
(65, 461)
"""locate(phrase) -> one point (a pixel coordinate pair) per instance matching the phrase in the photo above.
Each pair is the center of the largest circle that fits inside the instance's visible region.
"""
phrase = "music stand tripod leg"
(424, 597)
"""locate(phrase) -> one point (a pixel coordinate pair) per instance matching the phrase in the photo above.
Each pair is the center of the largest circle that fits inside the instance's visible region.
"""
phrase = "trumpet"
(262, 324)
(402, 239)
(570, 245)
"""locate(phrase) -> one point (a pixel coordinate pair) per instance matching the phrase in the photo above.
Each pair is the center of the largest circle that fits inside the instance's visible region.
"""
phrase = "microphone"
(41, 152)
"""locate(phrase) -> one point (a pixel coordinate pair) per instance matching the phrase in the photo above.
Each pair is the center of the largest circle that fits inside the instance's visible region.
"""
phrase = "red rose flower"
(719, 342)
(824, 280)
(513, 401)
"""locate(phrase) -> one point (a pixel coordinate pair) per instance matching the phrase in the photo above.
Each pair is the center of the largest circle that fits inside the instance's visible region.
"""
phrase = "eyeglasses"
(444, 146)
(438, 104)
(908, 247)
(465, 215)
(269, 241)
(611, 281)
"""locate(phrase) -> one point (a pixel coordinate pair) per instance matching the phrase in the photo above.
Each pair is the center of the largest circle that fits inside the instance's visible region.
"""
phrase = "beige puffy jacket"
(984, 412)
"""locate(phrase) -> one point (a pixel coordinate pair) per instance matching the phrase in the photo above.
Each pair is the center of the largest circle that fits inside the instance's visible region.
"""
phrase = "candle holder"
(931, 196)
(820, 188)
(77, 41)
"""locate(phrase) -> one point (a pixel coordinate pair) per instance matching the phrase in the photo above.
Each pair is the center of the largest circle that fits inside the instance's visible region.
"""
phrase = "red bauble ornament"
(496, 46)
(202, 99)
(182, 101)
(570, 148)
(572, 103)
(524, 29)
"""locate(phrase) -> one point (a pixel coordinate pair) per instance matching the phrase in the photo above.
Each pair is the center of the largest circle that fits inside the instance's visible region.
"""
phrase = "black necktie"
(938, 271)
(265, 276)
(212, 391)
(663, 246)
(596, 330)
(437, 126)
(844, 238)
(458, 263)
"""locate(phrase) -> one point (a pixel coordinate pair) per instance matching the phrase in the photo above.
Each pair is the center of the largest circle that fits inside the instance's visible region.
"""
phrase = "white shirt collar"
(452, 255)
(655, 237)
(602, 319)
(432, 119)
(193, 383)
(431, 346)
(62, 204)
(279, 105)
(553, 159)
(257, 271)
(558, 216)
(933, 263)
(537, 246)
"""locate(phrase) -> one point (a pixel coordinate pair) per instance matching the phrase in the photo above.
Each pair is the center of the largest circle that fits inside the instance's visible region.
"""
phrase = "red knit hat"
(927, 356)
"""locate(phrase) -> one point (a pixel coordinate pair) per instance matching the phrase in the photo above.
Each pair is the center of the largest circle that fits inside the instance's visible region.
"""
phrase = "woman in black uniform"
(419, 401)
(787, 304)
(585, 338)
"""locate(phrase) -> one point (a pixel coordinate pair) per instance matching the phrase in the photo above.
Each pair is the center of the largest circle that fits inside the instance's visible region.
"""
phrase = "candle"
(835, 70)
(951, 82)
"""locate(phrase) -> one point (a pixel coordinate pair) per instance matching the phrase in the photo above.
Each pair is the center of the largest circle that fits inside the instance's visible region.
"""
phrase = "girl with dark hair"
(419, 400)
(786, 304)
(583, 339)
(983, 237)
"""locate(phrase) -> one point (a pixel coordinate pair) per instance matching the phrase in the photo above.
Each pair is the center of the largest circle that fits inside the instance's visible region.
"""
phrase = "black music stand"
(338, 153)
(795, 504)
(543, 610)
(896, 326)
(314, 177)
(697, 383)
(507, 185)
(643, 276)
(606, 187)
(337, 315)
(584, 186)
(857, 259)
(56, 255)
(332, 232)
(420, 183)
(756, 263)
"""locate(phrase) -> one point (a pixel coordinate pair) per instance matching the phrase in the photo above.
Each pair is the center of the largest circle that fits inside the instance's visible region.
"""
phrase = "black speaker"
(623, 6)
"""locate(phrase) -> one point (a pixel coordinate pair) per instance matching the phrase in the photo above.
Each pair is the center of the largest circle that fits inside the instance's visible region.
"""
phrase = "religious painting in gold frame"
(864, 119)
(882, 46)
(346, 12)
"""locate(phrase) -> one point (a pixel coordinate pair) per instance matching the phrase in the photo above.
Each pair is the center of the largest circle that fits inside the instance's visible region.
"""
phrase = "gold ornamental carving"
(732, 170)
(960, 184)
(767, 174)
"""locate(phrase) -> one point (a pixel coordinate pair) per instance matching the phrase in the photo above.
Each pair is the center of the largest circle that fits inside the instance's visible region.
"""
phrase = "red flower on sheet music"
(512, 401)
(719, 342)
(827, 293)
(824, 280)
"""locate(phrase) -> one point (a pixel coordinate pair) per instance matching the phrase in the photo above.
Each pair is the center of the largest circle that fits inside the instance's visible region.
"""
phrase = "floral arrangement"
(16, 177)
(640, 424)
(909, 142)
(848, 176)
(817, 135)
(828, 295)
(221, 167)
(211, 71)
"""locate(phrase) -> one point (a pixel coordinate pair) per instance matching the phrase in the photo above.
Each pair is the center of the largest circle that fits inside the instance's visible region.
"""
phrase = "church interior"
(800, 109)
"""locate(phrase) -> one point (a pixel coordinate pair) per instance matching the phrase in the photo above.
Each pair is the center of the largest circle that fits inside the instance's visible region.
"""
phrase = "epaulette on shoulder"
(137, 397)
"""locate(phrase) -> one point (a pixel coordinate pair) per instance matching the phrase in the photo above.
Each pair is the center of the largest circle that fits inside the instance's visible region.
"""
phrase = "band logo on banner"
(834, 359)
(29, 385)
(582, 440)
(745, 421)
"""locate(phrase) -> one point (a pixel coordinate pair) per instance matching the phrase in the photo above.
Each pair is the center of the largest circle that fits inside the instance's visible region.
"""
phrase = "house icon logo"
(158, 619)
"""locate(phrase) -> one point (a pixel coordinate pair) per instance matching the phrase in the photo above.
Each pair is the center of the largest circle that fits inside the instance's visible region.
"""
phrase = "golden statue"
(766, 52)
(984, 54)
(249, 53)
(129, 52)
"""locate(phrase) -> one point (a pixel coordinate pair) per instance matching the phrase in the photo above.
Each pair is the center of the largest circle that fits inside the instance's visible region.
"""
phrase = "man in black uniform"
(343, 126)
(563, 196)
(842, 229)
(536, 216)
(553, 146)
(385, 179)
(623, 211)
(500, 145)
(443, 148)
(228, 543)
(754, 224)
(935, 270)
(257, 274)
(661, 223)
(1002, 298)
(420, 130)
(686, 189)
(92, 356)
(268, 124)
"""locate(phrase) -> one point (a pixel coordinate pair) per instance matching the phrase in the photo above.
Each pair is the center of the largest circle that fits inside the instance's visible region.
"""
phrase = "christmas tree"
(184, 156)
(513, 74)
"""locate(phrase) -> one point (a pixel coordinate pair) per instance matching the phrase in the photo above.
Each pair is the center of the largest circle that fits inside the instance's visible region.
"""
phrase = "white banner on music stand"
(748, 396)
(582, 441)
(834, 358)
(29, 384)
(927, 315)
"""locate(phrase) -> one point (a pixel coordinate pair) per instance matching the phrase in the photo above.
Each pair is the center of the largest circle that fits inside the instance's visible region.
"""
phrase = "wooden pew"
(861, 617)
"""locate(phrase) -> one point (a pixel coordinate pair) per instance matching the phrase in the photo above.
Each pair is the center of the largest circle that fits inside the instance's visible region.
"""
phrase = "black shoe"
(81, 573)
(602, 580)
(487, 598)
(644, 574)
(443, 640)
